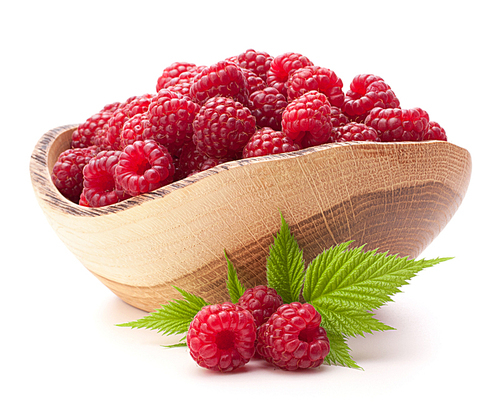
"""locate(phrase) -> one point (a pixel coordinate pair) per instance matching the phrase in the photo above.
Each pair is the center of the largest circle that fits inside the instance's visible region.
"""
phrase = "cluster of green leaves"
(344, 284)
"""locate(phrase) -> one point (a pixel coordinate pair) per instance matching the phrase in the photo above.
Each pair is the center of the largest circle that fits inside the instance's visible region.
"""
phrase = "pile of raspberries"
(245, 106)
(224, 337)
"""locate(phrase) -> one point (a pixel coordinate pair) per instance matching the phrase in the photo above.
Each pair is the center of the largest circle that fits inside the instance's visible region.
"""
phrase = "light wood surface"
(396, 197)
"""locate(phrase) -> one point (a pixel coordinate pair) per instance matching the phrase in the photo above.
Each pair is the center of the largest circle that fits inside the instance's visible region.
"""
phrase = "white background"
(61, 354)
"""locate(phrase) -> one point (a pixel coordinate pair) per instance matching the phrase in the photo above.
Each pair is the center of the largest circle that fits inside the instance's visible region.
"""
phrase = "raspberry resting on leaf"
(261, 302)
(144, 166)
(396, 124)
(99, 186)
(292, 338)
(267, 141)
(67, 174)
(307, 120)
(222, 127)
(222, 337)
(316, 78)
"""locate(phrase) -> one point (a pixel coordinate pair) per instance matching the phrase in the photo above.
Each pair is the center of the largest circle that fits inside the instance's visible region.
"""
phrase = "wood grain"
(393, 196)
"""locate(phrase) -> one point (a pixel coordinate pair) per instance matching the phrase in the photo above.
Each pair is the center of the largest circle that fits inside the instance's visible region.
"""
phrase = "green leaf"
(175, 345)
(285, 265)
(347, 321)
(355, 279)
(172, 318)
(234, 286)
(339, 352)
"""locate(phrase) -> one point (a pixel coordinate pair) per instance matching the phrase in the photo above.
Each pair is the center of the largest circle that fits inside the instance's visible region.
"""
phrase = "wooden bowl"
(396, 197)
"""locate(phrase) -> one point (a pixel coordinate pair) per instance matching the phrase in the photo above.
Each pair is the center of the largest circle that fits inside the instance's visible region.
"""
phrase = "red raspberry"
(86, 133)
(282, 67)
(132, 107)
(338, 118)
(222, 79)
(354, 131)
(133, 129)
(258, 62)
(144, 166)
(367, 91)
(222, 127)
(261, 302)
(99, 186)
(192, 161)
(254, 82)
(435, 132)
(185, 77)
(307, 120)
(396, 124)
(267, 106)
(316, 78)
(172, 71)
(293, 338)
(171, 117)
(222, 337)
(182, 87)
(267, 141)
(67, 173)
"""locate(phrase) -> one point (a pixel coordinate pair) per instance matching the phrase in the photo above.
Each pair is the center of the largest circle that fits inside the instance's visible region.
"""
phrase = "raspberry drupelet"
(292, 338)
(144, 166)
(222, 337)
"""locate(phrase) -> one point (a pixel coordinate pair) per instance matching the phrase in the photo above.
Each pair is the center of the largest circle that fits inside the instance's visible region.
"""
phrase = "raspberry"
(268, 141)
(185, 77)
(367, 91)
(171, 117)
(222, 79)
(282, 67)
(435, 132)
(261, 302)
(319, 79)
(133, 129)
(292, 338)
(67, 173)
(172, 71)
(396, 124)
(354, 131)
(258, 62)
(182, 87)
(267, 106)
(192, 161)
(338, 118)
(99, 186)
(132, 107)
(222, 337)
(144, 166)
(86, 133)
(254, 82)
(307, 120)
(222, 127)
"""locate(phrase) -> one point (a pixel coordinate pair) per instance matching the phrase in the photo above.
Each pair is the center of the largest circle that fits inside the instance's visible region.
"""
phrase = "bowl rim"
(39, 171)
